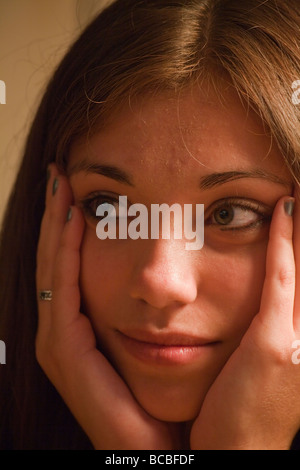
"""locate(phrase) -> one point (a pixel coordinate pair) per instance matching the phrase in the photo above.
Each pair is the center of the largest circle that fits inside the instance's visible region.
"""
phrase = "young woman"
(139, 343)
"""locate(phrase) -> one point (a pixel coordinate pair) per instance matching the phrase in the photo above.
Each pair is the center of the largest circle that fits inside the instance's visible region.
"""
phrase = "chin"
(172, 415)
(171, 404)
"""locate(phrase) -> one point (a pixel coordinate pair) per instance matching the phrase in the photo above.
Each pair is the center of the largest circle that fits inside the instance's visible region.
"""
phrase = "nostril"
(161, 289)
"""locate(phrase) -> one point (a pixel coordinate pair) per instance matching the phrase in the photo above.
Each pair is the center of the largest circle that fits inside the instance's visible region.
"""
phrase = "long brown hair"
(133, 47)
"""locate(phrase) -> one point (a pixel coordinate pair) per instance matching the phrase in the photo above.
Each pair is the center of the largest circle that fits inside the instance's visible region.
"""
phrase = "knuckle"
(278, 352)
(45, 352)
(273, 347)
(280, 355)
(286, 276)
(55, 215)
(64, 243)
(44, 268)
(48, 362)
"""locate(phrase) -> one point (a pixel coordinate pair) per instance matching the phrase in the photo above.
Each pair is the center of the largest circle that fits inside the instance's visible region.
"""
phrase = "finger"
(58, 200)
(277, 301)
(296, 240)
(58, 197)
(66, 294)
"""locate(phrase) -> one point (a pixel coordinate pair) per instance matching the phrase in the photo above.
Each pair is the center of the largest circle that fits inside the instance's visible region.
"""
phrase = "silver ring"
(45, 294)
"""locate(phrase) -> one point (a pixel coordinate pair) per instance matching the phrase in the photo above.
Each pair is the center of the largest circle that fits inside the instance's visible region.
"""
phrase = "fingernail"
(289, 207)
(55, 186)
(69, 215)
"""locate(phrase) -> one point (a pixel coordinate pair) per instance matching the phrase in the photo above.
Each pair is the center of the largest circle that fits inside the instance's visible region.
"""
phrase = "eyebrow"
(206, 182)
(216, 179)
(110, 171)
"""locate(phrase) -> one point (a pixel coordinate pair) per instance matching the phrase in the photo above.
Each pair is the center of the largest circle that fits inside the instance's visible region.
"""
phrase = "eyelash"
(247, 205)
(90, 204)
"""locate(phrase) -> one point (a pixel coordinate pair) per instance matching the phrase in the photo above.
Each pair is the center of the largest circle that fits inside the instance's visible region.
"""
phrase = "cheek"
(234, 287)
(102, 275)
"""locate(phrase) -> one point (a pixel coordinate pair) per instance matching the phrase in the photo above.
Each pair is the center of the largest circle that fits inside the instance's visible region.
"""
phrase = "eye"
(107, 204)
(239, 214)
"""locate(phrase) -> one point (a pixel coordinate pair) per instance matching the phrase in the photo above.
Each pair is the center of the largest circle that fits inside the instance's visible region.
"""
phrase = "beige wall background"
(34, 34)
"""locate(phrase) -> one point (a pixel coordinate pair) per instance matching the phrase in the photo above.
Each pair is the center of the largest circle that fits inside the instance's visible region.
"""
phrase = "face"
(166, 317)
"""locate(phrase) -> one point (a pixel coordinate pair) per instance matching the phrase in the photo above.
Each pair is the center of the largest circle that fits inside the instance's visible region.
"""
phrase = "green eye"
(239, 214)
(224, 216)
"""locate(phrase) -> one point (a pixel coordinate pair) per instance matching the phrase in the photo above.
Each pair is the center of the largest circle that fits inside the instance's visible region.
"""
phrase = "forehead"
(199, 130)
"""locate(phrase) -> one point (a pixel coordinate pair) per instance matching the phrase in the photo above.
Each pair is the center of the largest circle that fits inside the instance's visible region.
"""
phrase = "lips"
(165, 348)
(166, 338)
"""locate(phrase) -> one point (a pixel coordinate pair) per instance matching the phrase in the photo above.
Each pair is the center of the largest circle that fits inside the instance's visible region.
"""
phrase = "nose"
(163, 274)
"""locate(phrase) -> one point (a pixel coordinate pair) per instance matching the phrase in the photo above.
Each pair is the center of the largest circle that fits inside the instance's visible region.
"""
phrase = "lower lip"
(164, 354)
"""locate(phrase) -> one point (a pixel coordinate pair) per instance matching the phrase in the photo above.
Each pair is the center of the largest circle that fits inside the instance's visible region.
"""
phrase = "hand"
(255, 401)
(66, 344)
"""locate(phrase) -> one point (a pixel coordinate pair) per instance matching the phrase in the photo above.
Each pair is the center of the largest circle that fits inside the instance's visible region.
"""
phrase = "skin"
(237, 292)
